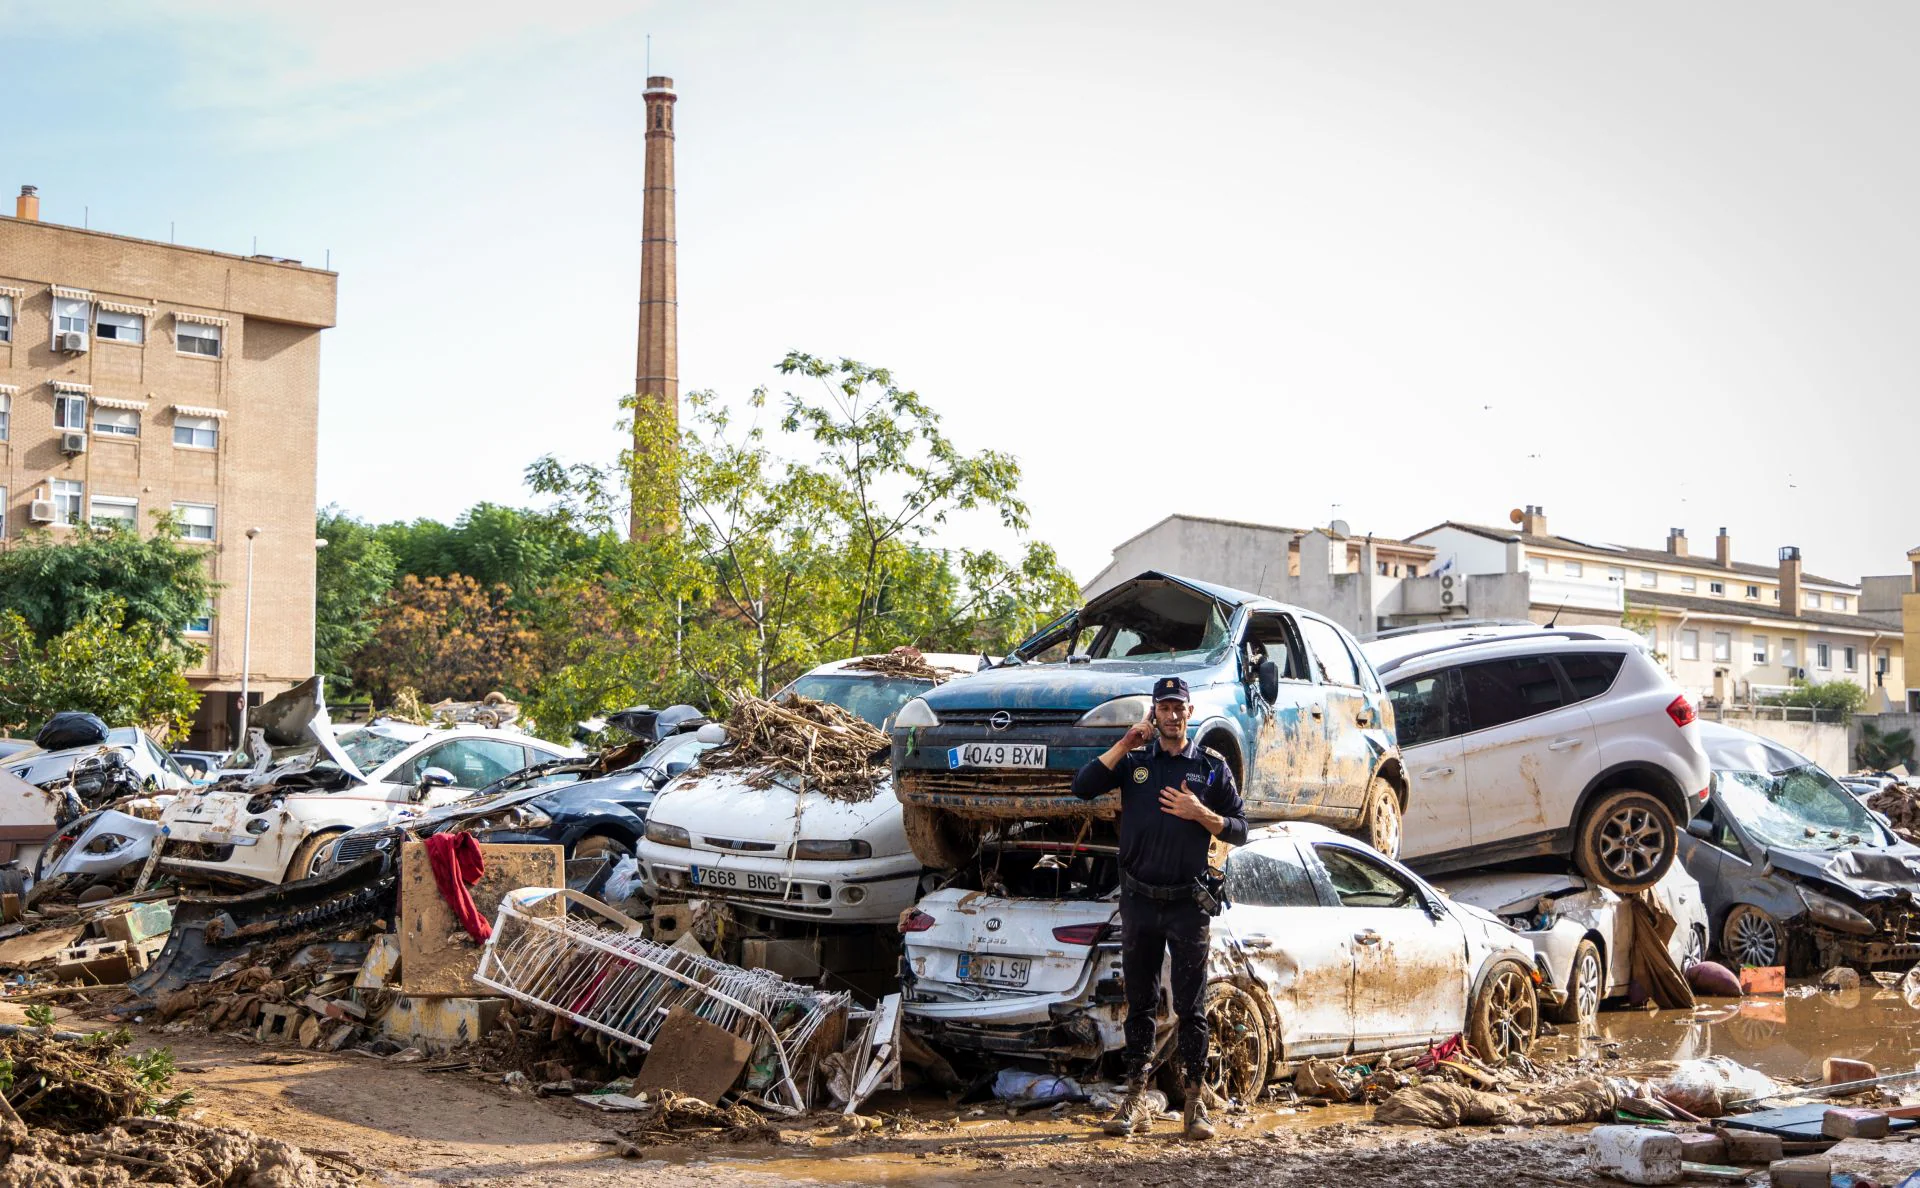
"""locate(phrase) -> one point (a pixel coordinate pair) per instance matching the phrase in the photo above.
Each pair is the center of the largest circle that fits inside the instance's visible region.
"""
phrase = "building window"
(1850, 657)
(70, 411)
(3, 513)
(1573, 569)
(1812, 600)
(1776, 595)
(1822, 656)
(6, 414)
(1687, 583)
(111, 512)
(116, 422)
(1617, 573)
(1753, 591)
(71, 316)
(1789, 657)
(6, 318)
(1413, 571)
(1881, 658)
(196, 520)
(1759, 649)
(1839, 602)
(1722, 647)
(1538, 565)
(202, 623)
(202, 433)
(1380, 567)
(193, 338)
(1649, 579)
(1689, 644)
(1717, 588)
(67, 498)
(120, 327)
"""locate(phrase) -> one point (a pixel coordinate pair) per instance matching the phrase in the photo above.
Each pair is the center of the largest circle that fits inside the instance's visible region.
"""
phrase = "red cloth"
(457, 865)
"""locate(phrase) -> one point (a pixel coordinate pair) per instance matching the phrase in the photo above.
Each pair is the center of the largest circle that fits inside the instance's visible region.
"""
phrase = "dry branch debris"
(830, 750)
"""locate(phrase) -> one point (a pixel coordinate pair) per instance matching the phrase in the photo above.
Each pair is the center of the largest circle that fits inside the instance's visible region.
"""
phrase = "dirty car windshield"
(1158, 621)
(1800, 809)
(872, 698)
(369, 750)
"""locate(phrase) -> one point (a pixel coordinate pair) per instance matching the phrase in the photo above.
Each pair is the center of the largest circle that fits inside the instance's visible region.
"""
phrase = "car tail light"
(916, 921)
(1079, 934)
(1681, 711)
(1706, 791)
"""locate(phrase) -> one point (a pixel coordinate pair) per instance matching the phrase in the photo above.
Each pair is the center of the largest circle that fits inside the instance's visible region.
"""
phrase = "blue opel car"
(1284, 695)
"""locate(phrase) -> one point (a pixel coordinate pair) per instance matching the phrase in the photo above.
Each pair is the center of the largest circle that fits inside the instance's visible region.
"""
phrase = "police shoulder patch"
(1222, 759)
(1139, 775)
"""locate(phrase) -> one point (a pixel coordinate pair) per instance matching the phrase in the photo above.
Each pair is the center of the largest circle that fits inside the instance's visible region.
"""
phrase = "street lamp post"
(246, 645)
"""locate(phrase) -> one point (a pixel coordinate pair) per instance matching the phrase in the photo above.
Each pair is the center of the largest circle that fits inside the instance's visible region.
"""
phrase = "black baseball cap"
(1171, 689)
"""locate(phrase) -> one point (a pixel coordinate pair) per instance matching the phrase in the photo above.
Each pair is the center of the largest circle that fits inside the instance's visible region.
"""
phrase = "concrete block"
(104, 963)
(1635, 1154)
(794, 959)
(1763, 979)
(436, 1024)
(1843, 1123)
(279, 1023)
(381, 965)
(138, 922)
(671, 921)
(1703, 1148)
(1750, 1146)
(1806, 1171)
(1839, 1070)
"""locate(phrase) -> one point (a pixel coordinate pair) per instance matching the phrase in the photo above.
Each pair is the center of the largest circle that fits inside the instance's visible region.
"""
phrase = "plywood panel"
(436, 954)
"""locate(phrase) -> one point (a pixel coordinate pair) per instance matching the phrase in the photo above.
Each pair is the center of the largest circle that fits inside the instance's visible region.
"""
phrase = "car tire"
(1750, 936)
(1586, 986)
(1505, 1015)
(1381, 828)
(1239, 1052)
(1627, 841)
(307, 857)
(938, 838)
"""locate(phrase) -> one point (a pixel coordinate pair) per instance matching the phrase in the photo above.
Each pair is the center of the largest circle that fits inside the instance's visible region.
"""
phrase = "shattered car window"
(1801, 809)
(872, 698)
(1158, 622)
(1265, 878)
(1359, 883)
(369, 750)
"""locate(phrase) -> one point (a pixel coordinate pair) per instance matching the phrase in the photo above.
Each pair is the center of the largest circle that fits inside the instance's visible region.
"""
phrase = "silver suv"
(1523, 741)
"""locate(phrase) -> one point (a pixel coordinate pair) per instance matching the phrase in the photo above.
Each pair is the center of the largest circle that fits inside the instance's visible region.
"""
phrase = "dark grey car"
(1794, 870)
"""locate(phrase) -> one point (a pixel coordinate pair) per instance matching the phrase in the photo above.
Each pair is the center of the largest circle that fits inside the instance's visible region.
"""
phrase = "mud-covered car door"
(1296, 948)
(1347, 713)
(1529, 753)
(1409, 958)
(1288, 767)
(1429, 716)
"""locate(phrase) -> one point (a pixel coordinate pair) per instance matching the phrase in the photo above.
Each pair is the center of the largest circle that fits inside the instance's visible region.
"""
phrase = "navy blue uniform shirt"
(1156, 846)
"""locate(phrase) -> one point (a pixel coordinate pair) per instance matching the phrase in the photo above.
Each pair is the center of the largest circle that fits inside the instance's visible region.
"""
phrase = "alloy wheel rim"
(1587, 987)
(1510, 1011)
(1232, 1048)
(1631, 842)
(1753, 939)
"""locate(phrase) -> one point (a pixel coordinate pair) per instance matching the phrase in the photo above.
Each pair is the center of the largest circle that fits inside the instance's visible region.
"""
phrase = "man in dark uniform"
(1175, 798)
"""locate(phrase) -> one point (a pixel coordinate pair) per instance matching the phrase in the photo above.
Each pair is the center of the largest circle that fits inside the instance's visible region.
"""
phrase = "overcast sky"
(1644, 264)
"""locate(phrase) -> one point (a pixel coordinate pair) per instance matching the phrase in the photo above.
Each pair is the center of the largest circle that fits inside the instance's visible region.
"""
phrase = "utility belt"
(1209, 891)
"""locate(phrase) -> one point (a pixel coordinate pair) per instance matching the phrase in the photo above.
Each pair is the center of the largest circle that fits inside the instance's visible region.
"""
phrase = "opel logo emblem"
(1001, 720)
(993, 923)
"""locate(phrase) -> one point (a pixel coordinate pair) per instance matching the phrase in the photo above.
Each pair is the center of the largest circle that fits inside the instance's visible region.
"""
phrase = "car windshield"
(1800, 809)
(369, 749)
(1154, 621)
(871, 697)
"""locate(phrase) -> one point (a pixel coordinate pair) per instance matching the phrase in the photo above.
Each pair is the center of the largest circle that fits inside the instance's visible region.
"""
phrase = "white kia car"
(1328, 949)
(272, 823)
(712, 835)
(1523, 741)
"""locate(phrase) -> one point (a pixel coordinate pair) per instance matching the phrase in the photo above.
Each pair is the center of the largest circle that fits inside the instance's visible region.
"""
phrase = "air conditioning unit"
(1453, 591)
(42, 511)
(73, 342)
(1799, 674)
(73, 443)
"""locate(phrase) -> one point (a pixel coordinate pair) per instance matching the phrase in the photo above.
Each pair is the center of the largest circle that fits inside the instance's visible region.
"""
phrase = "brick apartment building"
(140, 377)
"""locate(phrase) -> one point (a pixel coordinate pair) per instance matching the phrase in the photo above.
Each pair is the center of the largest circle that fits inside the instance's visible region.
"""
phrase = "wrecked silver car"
(1795, 871)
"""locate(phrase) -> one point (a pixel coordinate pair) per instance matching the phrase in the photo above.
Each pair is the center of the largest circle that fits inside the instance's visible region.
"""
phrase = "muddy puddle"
(1784, 1037)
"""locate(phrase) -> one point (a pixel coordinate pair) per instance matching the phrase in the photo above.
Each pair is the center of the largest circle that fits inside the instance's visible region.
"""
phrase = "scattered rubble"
(1901, 806)
(828, 749)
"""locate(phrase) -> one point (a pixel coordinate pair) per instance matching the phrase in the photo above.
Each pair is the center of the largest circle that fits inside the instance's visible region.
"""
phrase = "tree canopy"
(53, 583)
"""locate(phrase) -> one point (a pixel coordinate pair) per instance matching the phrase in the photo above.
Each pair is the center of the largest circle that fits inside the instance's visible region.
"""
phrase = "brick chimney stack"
(657, 370)
(1677, 541)
(26, 207)
(1913, 558)
(1533, 521)
(1723, 549)
(1790, 580)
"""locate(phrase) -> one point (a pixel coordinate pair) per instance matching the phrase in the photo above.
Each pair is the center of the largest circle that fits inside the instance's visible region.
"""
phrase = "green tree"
(54, 584)
(447, 637)
(1883, 750)
(1842, 698)
(521, 549)
(351, 575)
(128, 671)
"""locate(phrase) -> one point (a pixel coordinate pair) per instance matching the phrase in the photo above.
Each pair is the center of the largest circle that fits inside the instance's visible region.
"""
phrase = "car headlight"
(521, 818)
(667, 835)
(916, 713)
(822, 850)
(1835, 914)
(1121, 712)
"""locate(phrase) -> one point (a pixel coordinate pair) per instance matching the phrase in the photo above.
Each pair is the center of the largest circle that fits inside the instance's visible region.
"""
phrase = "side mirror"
(1269, 675)
(1700, 829)
(433, 777)
(676, 767)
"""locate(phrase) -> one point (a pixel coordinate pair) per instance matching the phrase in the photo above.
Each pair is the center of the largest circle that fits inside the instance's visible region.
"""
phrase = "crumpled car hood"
(1871, 872)
(1055, 686)
(299, 733)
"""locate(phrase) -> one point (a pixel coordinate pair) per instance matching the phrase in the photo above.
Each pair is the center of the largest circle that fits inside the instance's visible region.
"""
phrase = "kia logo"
(1001, 720)
(993, 923)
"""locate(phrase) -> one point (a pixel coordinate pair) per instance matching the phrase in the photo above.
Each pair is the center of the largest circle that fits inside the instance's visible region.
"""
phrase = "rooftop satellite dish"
(1517, 516)
(1339, 528)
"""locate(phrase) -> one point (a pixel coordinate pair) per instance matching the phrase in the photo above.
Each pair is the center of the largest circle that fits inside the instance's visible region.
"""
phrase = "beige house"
(1730, 630)
(140, 377)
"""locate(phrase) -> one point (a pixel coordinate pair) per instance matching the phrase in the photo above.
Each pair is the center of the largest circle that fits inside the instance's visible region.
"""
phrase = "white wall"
(1471, 552)
(1245, 557)
(1823, 742)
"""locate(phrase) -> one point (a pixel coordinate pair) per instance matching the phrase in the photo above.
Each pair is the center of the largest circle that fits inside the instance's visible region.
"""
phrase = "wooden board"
(690, 1055)
(436, 955)
(19, 952)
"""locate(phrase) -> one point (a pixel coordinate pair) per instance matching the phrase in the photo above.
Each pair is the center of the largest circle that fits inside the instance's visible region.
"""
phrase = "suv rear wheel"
(1627, 841)
(1381, 829)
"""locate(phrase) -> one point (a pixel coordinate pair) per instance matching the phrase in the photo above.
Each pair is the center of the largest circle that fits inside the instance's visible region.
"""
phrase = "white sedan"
(1328, 950)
